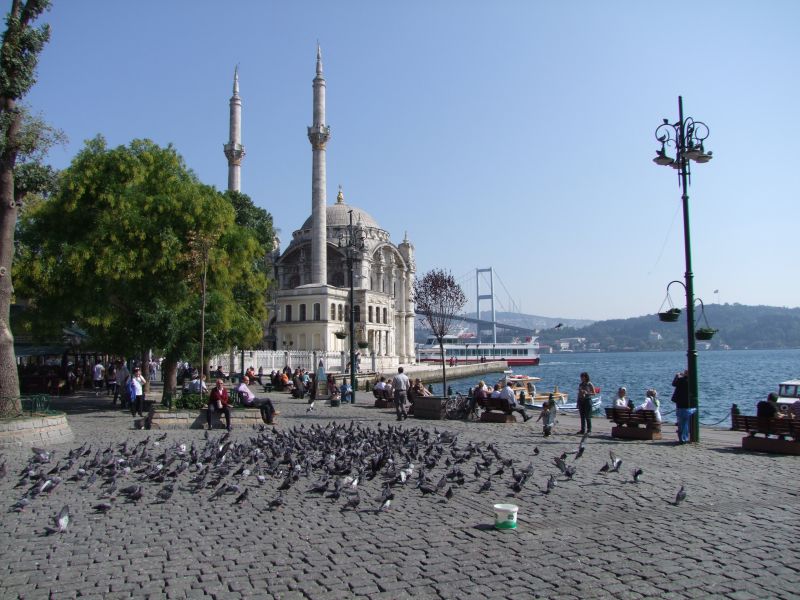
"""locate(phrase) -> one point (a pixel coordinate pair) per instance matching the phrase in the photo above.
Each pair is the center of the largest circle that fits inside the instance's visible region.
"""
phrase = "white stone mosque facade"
(310, 304)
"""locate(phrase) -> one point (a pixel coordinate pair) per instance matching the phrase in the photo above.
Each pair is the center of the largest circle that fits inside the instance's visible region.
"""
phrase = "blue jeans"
(684, 421)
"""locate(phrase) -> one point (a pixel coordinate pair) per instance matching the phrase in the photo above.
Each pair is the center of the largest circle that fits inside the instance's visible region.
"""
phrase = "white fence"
(269, 360)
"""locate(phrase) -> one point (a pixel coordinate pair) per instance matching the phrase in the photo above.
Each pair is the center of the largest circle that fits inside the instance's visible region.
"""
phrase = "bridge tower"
(489, 297)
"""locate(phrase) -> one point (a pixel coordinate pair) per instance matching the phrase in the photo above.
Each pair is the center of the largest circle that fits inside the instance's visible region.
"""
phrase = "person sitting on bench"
(249, 399)
(507, 394)
(219, 402)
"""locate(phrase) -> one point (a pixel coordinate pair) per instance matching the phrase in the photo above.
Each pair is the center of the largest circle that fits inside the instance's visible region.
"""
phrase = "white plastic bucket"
(505, 516)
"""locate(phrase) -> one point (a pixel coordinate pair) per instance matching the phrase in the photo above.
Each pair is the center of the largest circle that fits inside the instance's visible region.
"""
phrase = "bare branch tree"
(439, 298)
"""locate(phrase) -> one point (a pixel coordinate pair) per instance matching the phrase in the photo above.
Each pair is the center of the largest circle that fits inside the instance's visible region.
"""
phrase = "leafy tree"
(116, 250)
(19, 55)
(439, 299)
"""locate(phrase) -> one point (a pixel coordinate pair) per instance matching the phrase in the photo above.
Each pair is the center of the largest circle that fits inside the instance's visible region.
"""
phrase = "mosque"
(310, 304)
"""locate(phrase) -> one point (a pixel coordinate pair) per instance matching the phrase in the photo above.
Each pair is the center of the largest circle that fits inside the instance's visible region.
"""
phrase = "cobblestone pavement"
(596, 536)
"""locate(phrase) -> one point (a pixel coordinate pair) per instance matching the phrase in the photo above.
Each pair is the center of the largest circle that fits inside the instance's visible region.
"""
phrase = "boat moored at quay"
(463, 349)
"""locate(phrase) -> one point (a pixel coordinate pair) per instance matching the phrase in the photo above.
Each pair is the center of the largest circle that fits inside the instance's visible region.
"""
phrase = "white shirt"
(508, 394)
(649, 404)
(137, 384)
(621, 402)
(400, 382)
(98, 371)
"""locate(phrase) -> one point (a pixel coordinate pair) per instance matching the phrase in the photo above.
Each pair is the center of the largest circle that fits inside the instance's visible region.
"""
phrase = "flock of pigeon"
(341, 463)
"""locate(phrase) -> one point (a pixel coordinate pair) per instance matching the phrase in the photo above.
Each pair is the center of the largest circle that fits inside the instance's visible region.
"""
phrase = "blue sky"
(512, 134)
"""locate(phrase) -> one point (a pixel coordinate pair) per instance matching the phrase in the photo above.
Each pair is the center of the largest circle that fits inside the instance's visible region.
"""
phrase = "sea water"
(743, 377)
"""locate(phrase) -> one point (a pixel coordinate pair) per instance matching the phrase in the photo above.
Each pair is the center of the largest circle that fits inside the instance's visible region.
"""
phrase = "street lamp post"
(352, 242)
(686, 136)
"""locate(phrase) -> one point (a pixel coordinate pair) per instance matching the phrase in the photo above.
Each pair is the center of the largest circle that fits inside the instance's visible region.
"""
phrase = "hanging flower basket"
(670, 316)
(341, 334)
(363, 345)
(705, 333)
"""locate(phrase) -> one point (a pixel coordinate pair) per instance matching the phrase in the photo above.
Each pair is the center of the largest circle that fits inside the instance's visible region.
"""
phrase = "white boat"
(466, 349)
(788, 394)
(524, 387)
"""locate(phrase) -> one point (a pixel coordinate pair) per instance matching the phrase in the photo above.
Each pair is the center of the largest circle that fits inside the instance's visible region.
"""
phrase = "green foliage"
(191, 401)
(115, 251)
(21, 47)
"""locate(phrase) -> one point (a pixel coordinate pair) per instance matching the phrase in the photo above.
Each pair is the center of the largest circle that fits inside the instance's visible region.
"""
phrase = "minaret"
(318, 135)
(234, 150)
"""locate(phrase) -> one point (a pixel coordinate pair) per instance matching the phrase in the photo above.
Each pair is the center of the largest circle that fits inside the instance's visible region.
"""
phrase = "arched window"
(333, 311)
(369, 314)
(384, 316)
(302, 312)
(288, 312)
(357, 313)
(341, 313)
(317, 316)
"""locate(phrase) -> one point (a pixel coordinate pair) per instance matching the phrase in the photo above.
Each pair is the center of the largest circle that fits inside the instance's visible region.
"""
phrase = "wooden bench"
(381, 400)
(496, 410)
(786, 432)
(634, 424)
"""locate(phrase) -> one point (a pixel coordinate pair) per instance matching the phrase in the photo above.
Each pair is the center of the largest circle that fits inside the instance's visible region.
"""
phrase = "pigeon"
(385, 506)
(569, 471)
(680, 496)
(166, 492)
(102, 507)
(562, 466)
(636, 473)
(21, 504)
(605, 468)
(242, 497)
(449, 493)
(581, 446)
(616, 463)
(551, 483)
(353, 500)
(276, 502)
(536, 450)
(61, 521)
(487, 485)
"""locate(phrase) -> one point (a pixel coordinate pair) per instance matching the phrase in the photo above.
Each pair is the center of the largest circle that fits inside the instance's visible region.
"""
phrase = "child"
(548, 416)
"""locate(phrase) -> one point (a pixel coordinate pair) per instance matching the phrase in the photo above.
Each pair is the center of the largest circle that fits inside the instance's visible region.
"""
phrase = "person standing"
(120, 390)
(548, 416)
(683, 411)
(585, 392)
(400, 385)
(98, 377)
(136, 390)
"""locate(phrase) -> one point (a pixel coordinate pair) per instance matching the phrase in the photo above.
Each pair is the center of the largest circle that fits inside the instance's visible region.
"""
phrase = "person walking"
(683, 411)
(400, 385)
(585, 392)
(98, 377)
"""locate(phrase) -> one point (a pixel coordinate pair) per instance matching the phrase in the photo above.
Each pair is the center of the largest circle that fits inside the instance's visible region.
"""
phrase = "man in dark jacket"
(682, 410)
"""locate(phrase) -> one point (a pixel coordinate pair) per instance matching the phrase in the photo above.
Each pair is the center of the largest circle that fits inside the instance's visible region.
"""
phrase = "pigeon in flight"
(616, 463)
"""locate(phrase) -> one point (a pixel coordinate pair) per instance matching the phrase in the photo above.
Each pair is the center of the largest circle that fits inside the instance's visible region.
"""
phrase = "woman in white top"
(621, 401)
(651, 402)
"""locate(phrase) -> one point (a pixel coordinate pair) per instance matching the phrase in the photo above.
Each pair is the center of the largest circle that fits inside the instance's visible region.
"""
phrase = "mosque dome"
(337, 215)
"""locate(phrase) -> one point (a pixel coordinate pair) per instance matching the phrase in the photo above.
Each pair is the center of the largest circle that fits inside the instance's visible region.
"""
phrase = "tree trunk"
(9, 378)
(444, 368)
(169, 368)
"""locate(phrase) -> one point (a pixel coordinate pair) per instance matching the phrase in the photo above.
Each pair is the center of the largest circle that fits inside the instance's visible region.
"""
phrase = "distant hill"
(740, 327)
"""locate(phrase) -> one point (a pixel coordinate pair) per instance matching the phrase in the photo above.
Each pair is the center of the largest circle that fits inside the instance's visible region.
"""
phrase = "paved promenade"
(596, 536)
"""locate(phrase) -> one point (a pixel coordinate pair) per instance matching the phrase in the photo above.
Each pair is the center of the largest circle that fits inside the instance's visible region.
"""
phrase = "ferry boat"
(466, 349)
